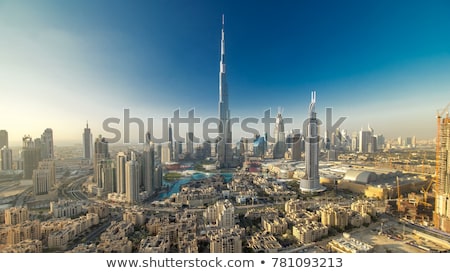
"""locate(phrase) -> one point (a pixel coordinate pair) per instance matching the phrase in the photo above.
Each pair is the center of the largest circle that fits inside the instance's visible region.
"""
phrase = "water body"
(176, 186)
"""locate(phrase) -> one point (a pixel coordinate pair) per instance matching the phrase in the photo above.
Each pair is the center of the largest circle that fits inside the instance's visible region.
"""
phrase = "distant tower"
(149, 164)
(30, 155)
(280, 138)
(224, 147)
(87, 142)
(6, 158)
(296, 145)
(171, 152)
(3, 139)
(101, 152)
(44, 177)
(311, 181)
(190, 143)
(132, 178)
(121, 160)
(47, 151)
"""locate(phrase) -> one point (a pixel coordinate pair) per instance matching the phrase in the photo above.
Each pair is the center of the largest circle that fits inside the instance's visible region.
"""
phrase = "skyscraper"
(442, 209)
(121, 159)
(149, 164)
(132, 178)
(3, 138)
(30, 155)
(44, 177)
(100, 152)
(365, 137)
(225, 151)
(87, 142)
(190, 143)
(6, 157)
(47, 151)
(280, 138)
(171, 155)
(311, 181)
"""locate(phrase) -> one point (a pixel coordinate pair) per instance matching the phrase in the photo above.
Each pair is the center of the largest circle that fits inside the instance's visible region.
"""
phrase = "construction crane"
(426, 190)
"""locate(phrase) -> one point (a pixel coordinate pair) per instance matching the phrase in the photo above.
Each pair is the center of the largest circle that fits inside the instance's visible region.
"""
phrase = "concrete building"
(47, 149)
(65, 209)
(6, 158)
(30, 155)
(101, 152)
(44, 177)
(264, 243)
(309, 231)
(225, 240)
(334, 216)
(28, 230)
(15, 216)
(347, 244)
(105, 171)
(132, 180)
(220, 214)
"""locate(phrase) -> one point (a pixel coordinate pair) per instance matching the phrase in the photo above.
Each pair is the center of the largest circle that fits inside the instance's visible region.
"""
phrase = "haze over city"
(376, 62)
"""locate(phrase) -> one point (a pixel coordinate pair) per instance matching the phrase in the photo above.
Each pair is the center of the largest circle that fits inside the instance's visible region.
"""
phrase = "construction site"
(441, 215)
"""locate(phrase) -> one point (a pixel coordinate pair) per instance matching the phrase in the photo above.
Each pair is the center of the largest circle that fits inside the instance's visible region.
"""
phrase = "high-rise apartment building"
(132, 180)
(6, 158)
(44, 177)
(30, 156)
(47, 149)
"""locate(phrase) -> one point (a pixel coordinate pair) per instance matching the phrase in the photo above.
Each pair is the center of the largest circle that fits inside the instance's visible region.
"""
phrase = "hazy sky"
(383, 63)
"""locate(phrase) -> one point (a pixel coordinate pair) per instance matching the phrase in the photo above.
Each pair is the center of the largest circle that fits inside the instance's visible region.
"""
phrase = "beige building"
(155, 244)
(15, 216)
(44, 177)
(309, 231)
(115, 246)
(364, 207)
(26, 246)
(134, 216)
(65, 208)
(28, 230)
(274, 225)
(347, 244)
(264, 243)
(334, 216)
(220, 214)
(225, 240)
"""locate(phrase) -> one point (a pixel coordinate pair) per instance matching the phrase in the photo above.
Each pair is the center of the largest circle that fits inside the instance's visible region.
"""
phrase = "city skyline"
(376, 64)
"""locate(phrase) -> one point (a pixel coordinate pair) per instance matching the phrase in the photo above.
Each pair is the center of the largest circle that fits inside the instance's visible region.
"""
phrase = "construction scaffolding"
(441, 216)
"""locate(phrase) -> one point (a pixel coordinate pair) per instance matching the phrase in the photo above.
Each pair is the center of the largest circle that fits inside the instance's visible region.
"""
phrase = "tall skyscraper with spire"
(224, 147)
(280, 138)
(311, 181)
(87, 142)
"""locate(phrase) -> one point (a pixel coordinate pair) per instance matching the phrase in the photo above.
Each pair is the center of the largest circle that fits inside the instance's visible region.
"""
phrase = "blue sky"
(383, 63)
